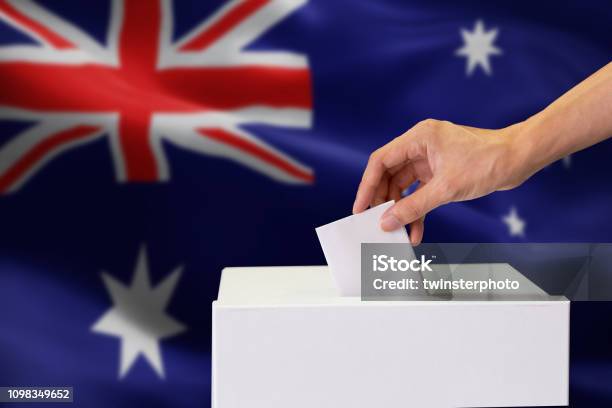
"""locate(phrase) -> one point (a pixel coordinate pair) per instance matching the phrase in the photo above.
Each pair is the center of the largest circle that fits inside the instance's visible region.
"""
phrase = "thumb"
(411, 208)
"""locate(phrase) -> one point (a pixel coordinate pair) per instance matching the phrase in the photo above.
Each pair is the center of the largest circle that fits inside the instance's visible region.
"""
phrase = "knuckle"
(374, 157)
(444, 127)
(430, 124)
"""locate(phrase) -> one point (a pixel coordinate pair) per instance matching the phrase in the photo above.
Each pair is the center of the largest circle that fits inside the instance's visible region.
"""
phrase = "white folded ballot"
(341, 242)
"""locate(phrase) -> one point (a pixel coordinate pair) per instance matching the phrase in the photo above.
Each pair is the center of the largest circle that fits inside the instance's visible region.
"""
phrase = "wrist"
(518, 156)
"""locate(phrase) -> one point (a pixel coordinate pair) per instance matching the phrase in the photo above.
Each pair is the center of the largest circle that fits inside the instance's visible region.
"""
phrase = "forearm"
(580, 118)
(457, 163)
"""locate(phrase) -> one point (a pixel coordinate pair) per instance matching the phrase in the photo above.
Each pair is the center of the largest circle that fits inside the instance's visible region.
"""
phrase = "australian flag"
(145, 145)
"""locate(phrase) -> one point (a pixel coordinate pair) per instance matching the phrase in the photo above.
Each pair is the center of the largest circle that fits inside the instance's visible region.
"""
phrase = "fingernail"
(389, 222)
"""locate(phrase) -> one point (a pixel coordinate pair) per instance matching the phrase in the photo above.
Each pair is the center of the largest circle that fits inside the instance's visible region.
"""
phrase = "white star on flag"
(516, 225)
(138, 318)
(478, 47)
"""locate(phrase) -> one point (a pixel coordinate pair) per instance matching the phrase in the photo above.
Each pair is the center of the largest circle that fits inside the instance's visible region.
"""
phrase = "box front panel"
(426, 355)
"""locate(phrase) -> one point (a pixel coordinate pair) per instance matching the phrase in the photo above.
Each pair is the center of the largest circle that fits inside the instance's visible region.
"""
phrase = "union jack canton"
(143, 87)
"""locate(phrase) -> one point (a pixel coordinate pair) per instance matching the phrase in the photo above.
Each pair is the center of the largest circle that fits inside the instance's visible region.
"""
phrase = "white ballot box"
(283, 338)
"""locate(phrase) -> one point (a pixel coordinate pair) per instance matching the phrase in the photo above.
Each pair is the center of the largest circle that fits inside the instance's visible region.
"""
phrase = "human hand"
(450, 163)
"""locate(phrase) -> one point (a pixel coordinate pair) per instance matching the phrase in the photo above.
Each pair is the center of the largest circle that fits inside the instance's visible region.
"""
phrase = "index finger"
(370, 180)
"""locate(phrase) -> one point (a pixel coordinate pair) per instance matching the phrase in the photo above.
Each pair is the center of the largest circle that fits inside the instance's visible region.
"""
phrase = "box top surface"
(313, 285)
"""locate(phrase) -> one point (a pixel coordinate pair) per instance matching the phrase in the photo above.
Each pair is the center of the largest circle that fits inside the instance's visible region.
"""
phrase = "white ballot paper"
(341, 242)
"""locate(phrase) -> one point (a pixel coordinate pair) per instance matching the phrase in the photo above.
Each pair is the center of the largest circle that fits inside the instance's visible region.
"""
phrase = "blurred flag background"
(144, 146)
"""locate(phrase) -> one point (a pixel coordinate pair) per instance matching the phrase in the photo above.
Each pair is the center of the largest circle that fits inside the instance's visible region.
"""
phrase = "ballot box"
(283, 337)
